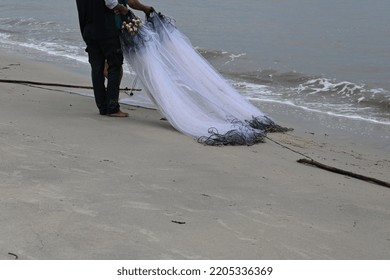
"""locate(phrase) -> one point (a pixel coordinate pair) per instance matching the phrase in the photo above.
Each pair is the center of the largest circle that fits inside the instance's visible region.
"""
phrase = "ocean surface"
(326, 57)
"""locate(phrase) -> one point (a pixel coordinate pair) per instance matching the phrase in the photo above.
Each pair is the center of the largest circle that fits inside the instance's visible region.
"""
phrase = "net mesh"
(188, 91)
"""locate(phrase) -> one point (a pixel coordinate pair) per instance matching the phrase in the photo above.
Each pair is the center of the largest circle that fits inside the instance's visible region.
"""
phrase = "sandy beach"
(77, 185)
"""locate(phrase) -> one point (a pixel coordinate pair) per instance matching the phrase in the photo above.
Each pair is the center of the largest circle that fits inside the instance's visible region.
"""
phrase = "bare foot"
(119, 114)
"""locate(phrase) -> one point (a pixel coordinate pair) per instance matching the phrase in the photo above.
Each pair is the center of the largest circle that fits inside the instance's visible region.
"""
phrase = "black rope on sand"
(288, 148)
(51, 89)
(25, 82)
(344, 172)
(14, 255)
(237, 137)
(310, 161)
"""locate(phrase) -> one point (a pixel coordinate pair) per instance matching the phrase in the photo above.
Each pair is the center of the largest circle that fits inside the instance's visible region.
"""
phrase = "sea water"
(327, 57)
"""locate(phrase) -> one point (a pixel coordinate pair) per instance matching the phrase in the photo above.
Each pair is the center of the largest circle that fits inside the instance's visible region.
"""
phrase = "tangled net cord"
(247, 133)
(232, 137)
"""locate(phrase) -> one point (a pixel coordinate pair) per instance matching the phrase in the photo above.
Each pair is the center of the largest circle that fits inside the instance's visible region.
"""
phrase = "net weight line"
(309, 161)
(343, 172)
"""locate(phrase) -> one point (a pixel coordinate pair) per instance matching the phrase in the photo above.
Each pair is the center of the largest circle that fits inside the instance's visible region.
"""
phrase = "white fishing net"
(188, 91)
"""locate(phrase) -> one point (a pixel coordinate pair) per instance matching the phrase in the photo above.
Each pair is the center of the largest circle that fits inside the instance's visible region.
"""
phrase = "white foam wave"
(4, 36)
(30, 22)
(233, 57)
(249, 89)
(263, 93)
(52, 49)
(330, 113)
(320, 85)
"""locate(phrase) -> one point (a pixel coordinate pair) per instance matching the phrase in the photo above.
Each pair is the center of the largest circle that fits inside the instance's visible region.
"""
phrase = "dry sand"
(77, 185)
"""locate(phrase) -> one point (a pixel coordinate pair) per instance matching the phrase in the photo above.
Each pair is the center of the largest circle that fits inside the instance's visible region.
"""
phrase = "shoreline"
(77, 185)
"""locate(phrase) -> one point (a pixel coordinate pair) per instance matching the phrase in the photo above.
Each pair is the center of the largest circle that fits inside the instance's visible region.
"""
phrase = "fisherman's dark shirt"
(97, 22)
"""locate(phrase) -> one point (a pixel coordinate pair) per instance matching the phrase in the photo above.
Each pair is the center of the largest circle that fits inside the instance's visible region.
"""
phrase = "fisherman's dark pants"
(100, 51)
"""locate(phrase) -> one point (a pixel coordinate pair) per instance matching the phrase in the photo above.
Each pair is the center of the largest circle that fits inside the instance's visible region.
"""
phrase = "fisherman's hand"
(148, 10)
(121, 9)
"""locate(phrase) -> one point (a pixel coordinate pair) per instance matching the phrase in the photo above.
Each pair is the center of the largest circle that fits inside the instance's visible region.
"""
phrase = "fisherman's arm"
(137, 5)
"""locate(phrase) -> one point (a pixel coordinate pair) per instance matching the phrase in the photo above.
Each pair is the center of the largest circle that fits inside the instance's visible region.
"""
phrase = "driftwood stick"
(54, 84)
(343, 172)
